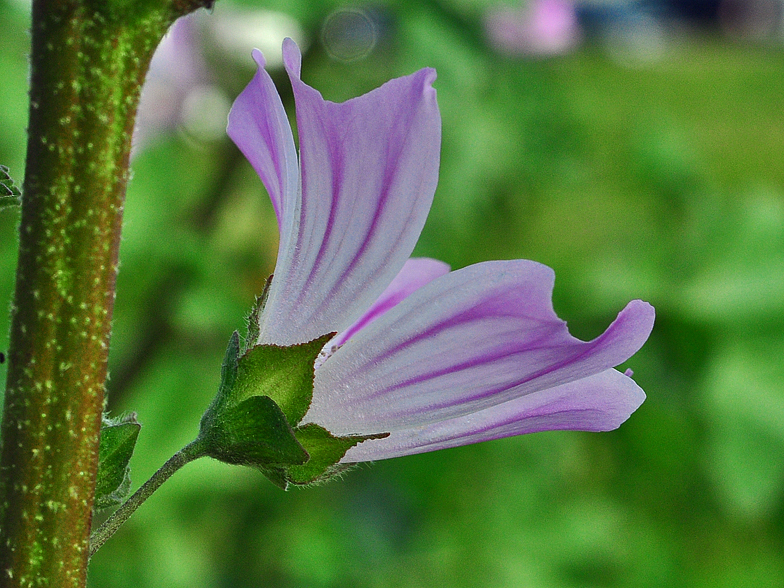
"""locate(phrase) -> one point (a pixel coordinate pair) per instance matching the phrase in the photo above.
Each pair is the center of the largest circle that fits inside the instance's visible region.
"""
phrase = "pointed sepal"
(325, 452)
(264, 392)
(228, 378)
(118, 440)
(254, 433)
(254, 317)
(285, 374)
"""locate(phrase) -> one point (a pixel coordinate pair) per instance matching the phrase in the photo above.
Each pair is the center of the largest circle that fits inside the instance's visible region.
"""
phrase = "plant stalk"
(88, 62)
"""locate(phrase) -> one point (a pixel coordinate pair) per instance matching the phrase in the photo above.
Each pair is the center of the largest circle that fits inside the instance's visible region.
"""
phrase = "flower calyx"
(255, 417)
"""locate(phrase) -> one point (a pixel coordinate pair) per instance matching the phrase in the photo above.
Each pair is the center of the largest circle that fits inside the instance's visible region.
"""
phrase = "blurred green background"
(646, 162)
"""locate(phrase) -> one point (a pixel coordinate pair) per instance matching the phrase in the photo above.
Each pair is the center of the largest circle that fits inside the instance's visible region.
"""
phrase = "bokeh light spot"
(349, 34)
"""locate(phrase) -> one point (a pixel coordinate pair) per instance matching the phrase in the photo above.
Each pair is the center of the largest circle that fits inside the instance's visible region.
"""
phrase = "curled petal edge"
(469, 340)
(598, 403)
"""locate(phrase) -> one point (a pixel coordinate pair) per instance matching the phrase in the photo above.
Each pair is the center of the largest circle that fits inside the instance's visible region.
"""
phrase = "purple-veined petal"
(369, 168)
(259, 127)
(416, 272)
(597, 403)
(469, 340)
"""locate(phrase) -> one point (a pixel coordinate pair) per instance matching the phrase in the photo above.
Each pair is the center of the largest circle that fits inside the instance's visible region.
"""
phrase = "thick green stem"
(88, 60)
(185, 455)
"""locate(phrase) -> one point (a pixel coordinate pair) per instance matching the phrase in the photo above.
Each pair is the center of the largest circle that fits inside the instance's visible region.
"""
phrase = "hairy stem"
(88, 61)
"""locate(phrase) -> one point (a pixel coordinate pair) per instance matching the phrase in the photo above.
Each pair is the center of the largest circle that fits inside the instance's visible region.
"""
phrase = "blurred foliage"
(661, 180)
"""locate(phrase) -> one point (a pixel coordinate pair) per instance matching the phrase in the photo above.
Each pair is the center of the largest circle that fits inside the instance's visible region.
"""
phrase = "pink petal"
(369, 170)
(596, 403)
(415, 273)
(469, 340)
(259, 127)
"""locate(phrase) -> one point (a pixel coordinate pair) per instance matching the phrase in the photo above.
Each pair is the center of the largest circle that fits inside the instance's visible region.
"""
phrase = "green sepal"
(285, 374)
(277, 476)
(253, 433)
(325, 451)
(261, 393)
(264, 393)
(254, 318)
(228, 378)
(118, 440)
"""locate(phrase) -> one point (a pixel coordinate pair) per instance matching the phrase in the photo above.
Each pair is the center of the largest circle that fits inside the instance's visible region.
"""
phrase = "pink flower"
(434, 358)
(541, 27)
